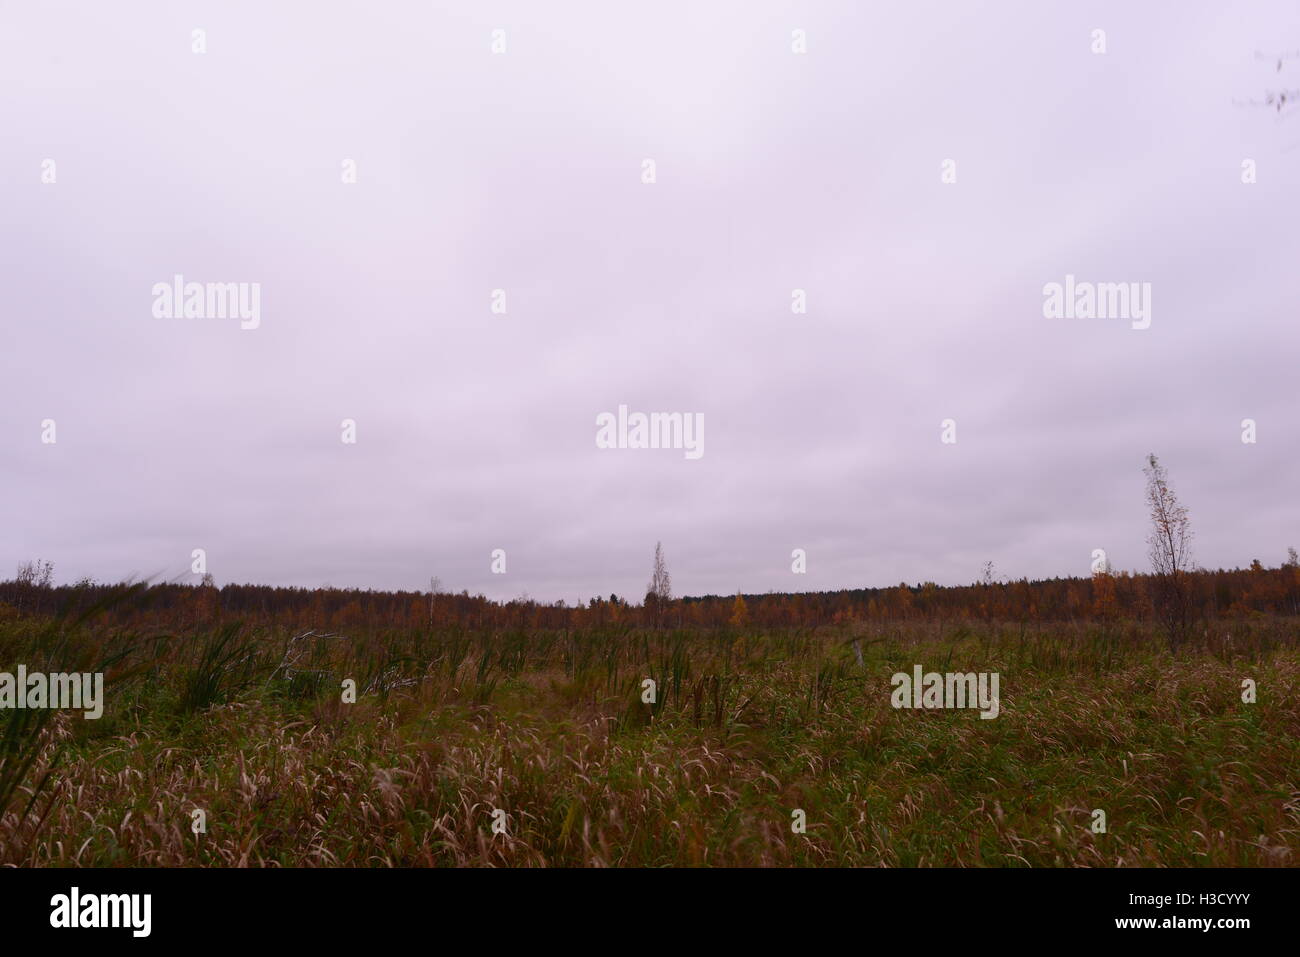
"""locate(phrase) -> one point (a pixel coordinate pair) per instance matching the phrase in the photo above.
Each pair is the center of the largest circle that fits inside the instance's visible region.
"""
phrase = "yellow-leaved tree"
(739, 612)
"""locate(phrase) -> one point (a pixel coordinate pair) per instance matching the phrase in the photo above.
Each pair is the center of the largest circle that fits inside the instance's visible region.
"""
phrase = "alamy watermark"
(60, 690)
(209, 300)
(950, 690)
(1098, 300)
(76, 909)
(654, 430)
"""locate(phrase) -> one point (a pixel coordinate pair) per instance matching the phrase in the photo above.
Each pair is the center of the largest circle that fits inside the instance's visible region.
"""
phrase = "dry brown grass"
(551, 729)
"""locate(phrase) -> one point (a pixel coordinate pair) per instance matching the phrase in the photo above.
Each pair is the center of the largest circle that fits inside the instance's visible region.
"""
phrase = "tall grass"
(248, 725)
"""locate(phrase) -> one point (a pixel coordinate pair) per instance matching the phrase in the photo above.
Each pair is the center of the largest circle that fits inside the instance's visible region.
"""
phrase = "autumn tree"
(660, 590)
(901, 601)
(207, 600)
(988, 578)
(34, 579)
(1170, 548)
(739, 612)
(37, 574)
(1291, 568)
(1105, 606)
(435, 588)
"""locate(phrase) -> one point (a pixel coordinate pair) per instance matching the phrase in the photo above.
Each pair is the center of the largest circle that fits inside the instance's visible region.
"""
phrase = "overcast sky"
(523, 171)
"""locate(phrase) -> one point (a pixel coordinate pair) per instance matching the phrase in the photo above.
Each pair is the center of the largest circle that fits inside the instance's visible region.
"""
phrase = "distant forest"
(1103, 598)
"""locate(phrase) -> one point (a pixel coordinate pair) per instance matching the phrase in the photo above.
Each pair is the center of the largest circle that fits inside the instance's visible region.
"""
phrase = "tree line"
(1175, 596)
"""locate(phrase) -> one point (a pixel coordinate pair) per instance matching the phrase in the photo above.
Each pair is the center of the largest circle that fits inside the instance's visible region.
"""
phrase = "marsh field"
(228, 742)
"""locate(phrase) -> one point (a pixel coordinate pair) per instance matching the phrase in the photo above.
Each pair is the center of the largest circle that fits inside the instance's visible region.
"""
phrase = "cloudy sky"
(523, 171)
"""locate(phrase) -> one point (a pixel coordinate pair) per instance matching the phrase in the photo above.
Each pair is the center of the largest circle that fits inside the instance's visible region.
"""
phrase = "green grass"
(247, 725)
